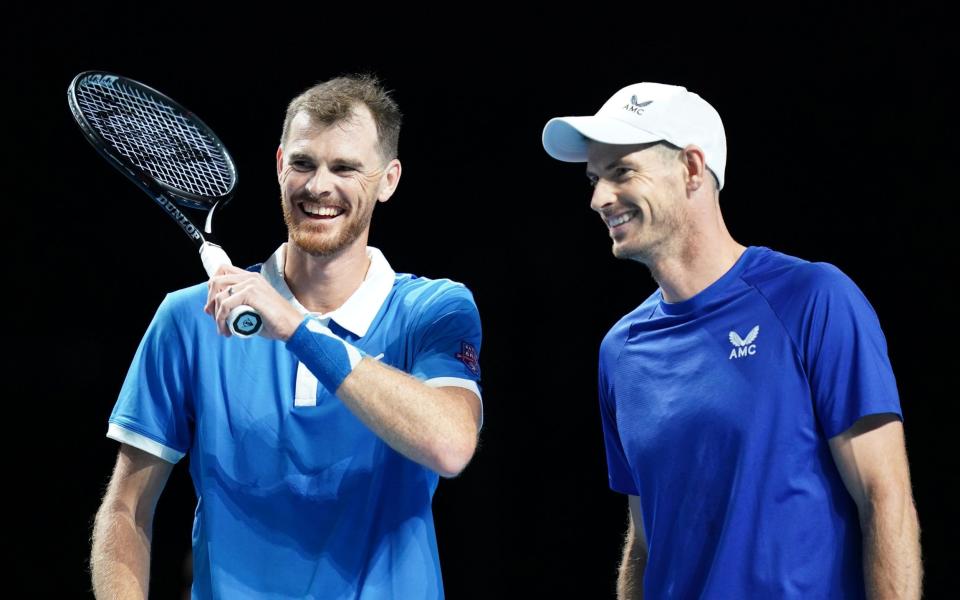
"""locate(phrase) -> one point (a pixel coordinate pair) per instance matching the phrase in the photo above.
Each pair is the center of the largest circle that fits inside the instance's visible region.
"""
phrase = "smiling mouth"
(314, 210)
(620, 220)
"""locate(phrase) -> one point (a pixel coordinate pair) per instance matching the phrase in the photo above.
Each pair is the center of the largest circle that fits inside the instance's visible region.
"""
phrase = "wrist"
(327, 356)
(291, 323)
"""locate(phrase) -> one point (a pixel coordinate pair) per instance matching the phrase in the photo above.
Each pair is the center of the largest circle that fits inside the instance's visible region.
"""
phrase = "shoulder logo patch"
(468, 356)
(743, 346)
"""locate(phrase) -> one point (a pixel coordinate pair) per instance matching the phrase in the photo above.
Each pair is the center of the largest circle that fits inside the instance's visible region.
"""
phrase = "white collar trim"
(357, 313)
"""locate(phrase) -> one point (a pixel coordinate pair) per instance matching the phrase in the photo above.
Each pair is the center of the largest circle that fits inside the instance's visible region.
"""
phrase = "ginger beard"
(320, 237)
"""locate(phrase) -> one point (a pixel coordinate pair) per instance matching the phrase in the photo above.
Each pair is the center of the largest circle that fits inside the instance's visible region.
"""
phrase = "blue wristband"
(328, 357)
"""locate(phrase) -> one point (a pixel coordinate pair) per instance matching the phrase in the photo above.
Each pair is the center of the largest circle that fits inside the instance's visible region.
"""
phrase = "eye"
(621, 172)
(343, 169)
(592, 180)
(301, 165)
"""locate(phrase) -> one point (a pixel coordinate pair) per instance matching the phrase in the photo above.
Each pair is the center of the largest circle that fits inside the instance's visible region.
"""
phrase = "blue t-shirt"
(717, 413)
(296, 497)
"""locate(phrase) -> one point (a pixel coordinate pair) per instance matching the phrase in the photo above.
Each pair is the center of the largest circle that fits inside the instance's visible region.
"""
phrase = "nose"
(321, 184)
(603, 195)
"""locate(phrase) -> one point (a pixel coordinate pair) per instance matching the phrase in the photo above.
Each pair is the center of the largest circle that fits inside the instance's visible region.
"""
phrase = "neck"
(323, 283)
(698, 261)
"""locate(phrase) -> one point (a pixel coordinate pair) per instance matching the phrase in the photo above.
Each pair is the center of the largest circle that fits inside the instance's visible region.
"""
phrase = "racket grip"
(243, 321)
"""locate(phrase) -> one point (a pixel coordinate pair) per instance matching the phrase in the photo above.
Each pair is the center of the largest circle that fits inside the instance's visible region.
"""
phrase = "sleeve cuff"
(467, 384)
(142, 442)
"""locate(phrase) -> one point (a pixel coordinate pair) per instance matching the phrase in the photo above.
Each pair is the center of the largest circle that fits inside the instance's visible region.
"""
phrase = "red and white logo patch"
(468, 356)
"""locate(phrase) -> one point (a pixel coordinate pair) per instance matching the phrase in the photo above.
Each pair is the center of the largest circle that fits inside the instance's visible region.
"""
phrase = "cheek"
(370, 182)
(363, 184)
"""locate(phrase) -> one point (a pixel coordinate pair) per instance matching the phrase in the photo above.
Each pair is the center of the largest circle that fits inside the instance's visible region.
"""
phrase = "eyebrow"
(297, 155)
(616, 162)
(349, 162)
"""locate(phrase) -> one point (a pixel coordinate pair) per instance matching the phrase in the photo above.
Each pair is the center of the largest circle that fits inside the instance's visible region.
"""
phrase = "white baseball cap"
(642, 113)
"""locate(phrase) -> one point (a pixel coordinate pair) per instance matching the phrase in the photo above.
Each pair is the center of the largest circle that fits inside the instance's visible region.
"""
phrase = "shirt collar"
(357, 313)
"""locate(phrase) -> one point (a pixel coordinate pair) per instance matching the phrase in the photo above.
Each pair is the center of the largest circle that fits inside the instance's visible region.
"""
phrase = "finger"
(221, 281)
(220, 315)
(213, 292)
(223, 307)
(228, 299)
(211, 297)
(230, 270)
(218, 283)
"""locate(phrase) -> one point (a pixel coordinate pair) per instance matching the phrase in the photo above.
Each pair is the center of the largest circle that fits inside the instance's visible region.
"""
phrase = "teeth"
(621, 219)
(321, 211)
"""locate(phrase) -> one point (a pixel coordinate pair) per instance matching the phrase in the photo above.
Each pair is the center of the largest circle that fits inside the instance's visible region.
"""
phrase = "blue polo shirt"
(296, 498)
(717, 413)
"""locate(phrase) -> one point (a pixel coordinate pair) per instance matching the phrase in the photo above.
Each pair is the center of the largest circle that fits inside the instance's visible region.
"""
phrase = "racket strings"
(156, 137)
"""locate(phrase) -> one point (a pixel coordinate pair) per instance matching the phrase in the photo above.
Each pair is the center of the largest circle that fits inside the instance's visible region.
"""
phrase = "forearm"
(630, 577)
(120, 554)
(891, 548)
(419, 421)
(434, 427)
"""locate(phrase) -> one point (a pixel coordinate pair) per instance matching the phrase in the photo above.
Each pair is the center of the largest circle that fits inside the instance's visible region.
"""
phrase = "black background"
(840, 136)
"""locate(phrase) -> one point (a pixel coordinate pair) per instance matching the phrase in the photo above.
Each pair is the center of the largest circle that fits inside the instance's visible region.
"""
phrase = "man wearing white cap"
(749, 408)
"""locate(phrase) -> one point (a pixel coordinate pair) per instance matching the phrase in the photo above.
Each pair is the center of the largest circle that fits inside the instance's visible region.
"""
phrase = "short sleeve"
(448, 340)
(153, 411)
(618, 469)
(845, 354)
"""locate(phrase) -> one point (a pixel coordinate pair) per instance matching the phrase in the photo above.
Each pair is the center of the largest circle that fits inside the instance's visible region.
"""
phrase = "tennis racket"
(168, 152)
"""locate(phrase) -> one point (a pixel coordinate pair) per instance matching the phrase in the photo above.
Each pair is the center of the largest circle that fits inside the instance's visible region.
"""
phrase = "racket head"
(163, 147)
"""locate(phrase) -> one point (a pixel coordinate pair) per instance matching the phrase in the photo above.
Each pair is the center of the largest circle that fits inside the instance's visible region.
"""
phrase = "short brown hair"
(333, 101)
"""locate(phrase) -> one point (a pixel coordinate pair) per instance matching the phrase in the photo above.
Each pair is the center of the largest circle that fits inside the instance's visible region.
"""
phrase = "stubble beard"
(666, 238)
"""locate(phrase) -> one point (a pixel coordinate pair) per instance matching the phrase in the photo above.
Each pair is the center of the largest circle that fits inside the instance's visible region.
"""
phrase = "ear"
(279, 161)
(695, 166)
(389, 180)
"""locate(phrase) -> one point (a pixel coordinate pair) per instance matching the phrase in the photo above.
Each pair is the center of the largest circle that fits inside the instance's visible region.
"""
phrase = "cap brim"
(567, 138)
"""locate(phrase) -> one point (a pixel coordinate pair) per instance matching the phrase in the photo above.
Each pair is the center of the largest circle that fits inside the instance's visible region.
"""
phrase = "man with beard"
(749, 408)
(315, 448)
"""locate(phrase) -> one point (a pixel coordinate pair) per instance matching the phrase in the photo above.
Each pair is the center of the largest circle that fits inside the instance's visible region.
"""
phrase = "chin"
(630, 253)
(327, 244)
(316, 245)
(621, 250)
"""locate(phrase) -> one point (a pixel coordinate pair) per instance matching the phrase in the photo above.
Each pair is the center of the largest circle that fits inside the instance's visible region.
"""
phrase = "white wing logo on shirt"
(736, 340)
(744, 346)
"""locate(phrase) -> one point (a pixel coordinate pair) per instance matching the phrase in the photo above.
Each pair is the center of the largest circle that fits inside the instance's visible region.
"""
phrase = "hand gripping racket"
(168, 152)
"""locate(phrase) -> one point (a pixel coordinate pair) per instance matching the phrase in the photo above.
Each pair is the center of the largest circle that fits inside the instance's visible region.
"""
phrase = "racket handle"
(243, 321)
